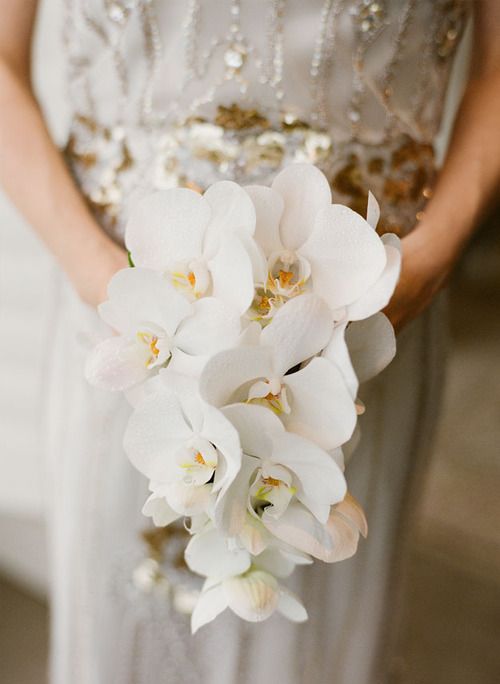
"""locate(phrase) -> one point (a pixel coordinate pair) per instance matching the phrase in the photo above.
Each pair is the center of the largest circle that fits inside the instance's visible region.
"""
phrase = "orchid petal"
(207, 554)
(188, 499)
(299, 528)
(211, 328)
(228, 370)
(185, 387)
(372, 345)
(252, 534)
(218, 430)
(337, 352)
(322, 408)
(187, 364)
(158, 509)
(372, 211)
(378, 296)
(212, 602)
(274, 561)
(155, 430)
(253, 597)
(232, 274)
(167, 227)
(345, 524)
(256, 425)
(117, 364)
(346, 255)
(269, 207)
(305, 191)
(231, 510)
(320, 482)
(257, 259)
(299, 330)
(291, 607)
(140, 295)
(232, 212)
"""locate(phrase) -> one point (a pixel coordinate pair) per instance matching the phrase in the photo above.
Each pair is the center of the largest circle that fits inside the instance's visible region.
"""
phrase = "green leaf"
(130, 261)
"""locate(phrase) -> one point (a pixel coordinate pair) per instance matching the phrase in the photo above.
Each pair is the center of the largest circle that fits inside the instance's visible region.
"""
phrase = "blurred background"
(451, 603)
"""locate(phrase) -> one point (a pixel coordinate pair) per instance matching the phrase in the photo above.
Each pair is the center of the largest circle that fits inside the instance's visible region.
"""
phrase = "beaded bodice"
(169, 92)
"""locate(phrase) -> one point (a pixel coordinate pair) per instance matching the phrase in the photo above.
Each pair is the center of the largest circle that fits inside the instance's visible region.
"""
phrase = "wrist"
(92, 274)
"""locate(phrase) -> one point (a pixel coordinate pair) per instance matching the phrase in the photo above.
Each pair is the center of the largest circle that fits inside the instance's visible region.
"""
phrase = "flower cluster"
(242, 333)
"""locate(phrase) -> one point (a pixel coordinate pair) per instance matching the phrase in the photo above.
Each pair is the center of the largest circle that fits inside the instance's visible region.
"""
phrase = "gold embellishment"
(245, 146)
(235, 118)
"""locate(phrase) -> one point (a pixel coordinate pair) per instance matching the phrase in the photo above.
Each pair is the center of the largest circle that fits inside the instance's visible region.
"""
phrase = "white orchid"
(188, 449)
(157, 326)
(279, 470)
(203, 244)
(361, 349)
(235, 580)
(335, 541)
(313, 401)
(312, 243)
(239, 424)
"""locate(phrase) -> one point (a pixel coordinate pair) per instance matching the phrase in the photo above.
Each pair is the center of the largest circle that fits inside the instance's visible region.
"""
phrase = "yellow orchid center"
(151, 341)
(263, 304)
(271, 481)
(199, 458)
(153, 347)
(285, 278)
(191, 279)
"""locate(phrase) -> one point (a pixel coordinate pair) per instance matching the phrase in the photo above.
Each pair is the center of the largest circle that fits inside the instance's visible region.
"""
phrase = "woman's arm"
(34, 174)
(469, 178)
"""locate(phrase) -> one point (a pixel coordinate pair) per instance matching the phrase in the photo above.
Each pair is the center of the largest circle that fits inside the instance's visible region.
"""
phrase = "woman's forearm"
(34, 175)
(470, 175)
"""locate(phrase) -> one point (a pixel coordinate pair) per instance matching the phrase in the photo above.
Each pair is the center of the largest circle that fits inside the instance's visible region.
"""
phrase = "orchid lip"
(158, 345)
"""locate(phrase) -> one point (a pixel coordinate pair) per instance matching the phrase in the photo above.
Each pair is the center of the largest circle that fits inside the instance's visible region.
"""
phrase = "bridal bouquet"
(243, 329)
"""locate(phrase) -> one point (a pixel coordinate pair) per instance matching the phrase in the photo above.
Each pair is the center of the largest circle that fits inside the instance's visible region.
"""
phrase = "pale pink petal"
(347, 521)
(253, 597)
(301, 530)
(117, 364)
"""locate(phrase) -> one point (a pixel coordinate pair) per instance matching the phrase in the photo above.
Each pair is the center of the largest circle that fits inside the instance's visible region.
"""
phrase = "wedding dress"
(166, 92)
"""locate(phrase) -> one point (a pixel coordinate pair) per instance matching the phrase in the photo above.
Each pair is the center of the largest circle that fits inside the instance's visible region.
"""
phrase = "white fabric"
(103, 632)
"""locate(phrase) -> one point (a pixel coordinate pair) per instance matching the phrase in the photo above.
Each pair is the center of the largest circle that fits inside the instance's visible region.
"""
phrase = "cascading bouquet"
(242, 332)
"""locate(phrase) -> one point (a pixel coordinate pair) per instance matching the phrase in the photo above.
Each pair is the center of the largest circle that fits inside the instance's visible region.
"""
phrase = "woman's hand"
(92, 276)
(425, 270)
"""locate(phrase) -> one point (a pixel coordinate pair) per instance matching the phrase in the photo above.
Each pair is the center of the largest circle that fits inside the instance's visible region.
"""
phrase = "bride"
(169, 93)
